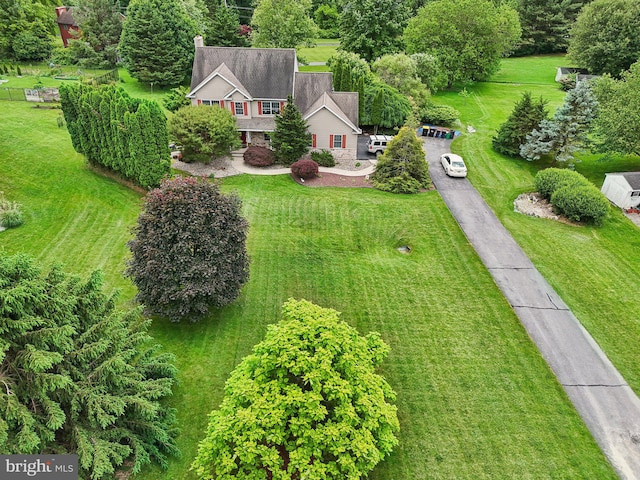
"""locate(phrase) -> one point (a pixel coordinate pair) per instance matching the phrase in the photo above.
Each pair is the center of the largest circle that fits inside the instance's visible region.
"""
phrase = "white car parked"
(453, 165)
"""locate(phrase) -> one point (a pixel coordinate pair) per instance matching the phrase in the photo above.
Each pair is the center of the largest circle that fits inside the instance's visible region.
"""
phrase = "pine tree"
(79, 376)
(402, 168)
(567, 132)
(291, 138)
(526, 116)
(157, 41)
(223, 28)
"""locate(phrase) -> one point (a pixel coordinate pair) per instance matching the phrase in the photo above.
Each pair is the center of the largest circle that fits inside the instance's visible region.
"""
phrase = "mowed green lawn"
(595, 270)
(475, 398)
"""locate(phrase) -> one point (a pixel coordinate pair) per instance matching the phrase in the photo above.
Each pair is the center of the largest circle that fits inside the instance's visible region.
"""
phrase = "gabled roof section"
(66, 18)
(348, 103)
(633, 179)
(309, 86)
(325, 101)
(227, 75)
(263, 72)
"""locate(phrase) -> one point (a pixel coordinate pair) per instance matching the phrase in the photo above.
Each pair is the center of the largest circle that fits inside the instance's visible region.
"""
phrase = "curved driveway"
(607, 405)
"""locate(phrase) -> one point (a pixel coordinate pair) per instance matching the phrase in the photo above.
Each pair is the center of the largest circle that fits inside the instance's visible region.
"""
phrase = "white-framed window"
(635, 193)
(270, 108)
(210, 102)
(337, 141)
(267, 137)
(239, 108)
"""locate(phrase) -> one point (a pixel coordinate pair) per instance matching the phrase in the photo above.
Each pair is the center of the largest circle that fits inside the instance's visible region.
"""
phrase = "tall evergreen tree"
(546, 25)
(402, 168)
(224, 28)
(291, 138)
(100, 24)
(567, 132)
(79, 376)
(157, 41)
(526, 116)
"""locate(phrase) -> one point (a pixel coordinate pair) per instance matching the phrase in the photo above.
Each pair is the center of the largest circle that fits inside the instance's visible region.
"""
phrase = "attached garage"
(622, 189)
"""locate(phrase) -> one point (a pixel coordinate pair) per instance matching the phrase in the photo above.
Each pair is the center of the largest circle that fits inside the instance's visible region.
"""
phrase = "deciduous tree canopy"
(307, 403)
(78, 375)
(618, 120)
(283, 24)
(372, 28)
(605, 37)
(189, 252)
(205, 132)
(468, 36)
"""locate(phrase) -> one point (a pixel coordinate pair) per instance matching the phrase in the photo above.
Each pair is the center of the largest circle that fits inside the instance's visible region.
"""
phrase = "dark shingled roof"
(634, 179)
(309, 86)
(348, 103)
(66, 18)
(264, 72)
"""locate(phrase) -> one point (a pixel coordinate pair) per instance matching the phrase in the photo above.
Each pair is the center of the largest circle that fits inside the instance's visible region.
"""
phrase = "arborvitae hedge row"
(113, 130)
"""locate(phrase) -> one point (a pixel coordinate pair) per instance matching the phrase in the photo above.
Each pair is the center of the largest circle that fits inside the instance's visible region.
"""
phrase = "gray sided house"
(254, 83)
(622, 189)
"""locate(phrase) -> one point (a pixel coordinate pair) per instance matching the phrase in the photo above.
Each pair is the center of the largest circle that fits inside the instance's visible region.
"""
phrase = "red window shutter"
(221, 103)
(199, 101)
(313, 140)
(281, 106)
(246, 110)
(344, 141)
(330, 141)
(259, 108)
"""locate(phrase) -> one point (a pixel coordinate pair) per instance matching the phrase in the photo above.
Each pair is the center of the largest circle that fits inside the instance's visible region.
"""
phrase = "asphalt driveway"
(607, 405)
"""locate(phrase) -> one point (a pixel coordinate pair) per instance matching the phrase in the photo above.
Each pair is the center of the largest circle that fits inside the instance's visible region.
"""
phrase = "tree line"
(113, 130)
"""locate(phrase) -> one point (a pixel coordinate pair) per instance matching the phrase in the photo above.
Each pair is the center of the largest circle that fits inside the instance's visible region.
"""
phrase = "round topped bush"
(259, 156)
(305, 169)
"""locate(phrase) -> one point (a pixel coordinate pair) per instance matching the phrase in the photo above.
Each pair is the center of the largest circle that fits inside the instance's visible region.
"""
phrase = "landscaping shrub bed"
(323, 158)
(572, 195)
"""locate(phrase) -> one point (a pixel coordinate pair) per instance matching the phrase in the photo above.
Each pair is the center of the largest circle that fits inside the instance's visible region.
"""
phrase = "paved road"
(601, 396)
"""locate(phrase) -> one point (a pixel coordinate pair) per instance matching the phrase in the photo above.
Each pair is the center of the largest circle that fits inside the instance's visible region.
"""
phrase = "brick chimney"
(198, 41)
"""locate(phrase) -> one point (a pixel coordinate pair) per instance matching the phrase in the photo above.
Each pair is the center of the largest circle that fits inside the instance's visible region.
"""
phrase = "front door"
(243, 138)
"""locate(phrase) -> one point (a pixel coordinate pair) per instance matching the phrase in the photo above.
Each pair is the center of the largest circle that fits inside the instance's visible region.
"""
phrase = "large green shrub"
(324, 158)
(10, 213)
(551, 179)
(581, 203)
(439, 114)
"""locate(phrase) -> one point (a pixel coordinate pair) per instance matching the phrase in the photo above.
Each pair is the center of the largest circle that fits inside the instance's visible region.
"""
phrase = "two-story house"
(254, 83)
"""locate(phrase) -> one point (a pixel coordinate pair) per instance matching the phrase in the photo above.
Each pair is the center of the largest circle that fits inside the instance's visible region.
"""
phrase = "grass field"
(594, 270)
(475, 398)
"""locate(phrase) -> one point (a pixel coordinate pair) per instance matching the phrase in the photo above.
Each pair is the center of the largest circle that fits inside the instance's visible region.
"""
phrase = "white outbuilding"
(622, 189)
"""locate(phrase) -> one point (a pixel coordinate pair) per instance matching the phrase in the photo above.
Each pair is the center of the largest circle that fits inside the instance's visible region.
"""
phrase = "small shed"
(622, 189)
